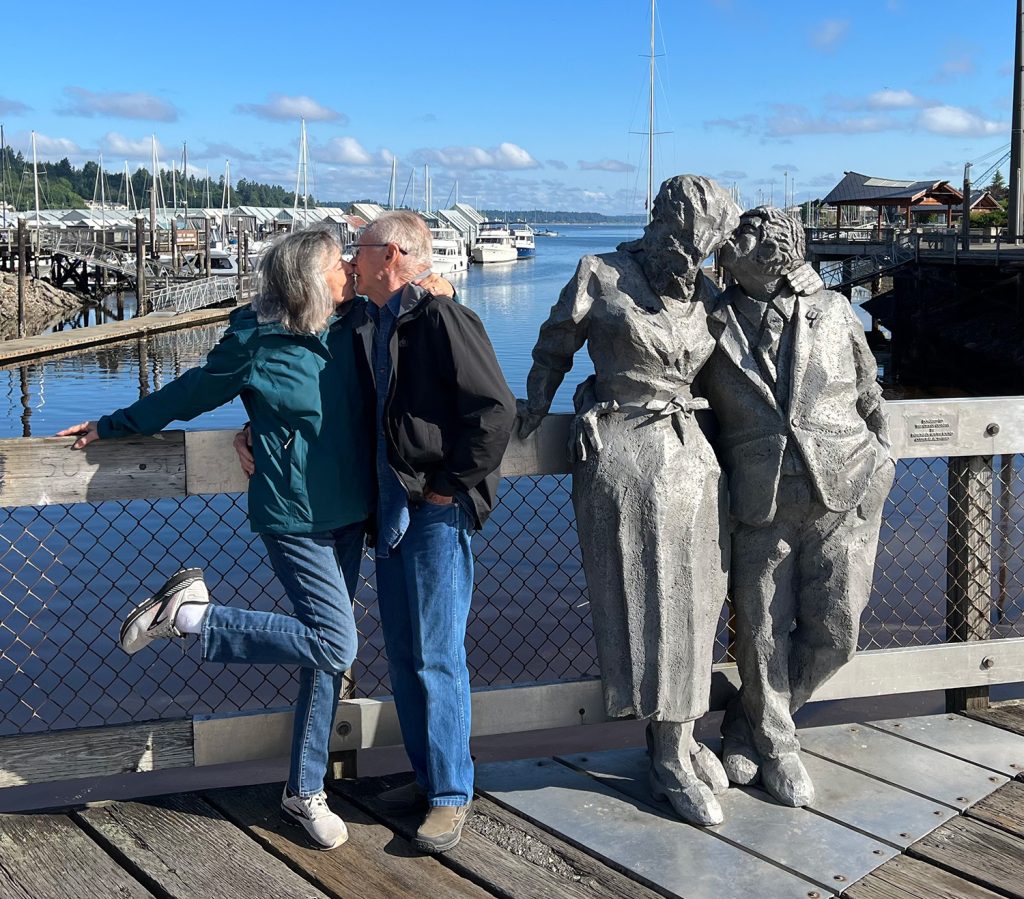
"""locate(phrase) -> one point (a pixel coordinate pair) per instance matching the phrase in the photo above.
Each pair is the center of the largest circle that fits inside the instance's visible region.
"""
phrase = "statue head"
(766, 245)
(691, 218)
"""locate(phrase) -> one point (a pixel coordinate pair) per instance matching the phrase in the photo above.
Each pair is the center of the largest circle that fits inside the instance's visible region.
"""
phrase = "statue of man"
(648, 492)
(804, 443)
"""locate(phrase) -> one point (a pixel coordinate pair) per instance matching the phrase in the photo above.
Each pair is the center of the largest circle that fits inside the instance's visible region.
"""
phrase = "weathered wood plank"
(45, 470)
(183, 848)
(978, 852)
(511, 856)
(95, 752)
(211, 465)
(1003, 809)
(909, 878)
(371, 864)
(1007, 715)
(49, 857)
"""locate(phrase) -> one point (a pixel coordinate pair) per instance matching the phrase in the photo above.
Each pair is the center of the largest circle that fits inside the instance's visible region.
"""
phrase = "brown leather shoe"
(441, 830)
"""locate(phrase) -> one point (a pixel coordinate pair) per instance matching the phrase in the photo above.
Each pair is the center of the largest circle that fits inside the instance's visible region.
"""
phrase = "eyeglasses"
(352, 250)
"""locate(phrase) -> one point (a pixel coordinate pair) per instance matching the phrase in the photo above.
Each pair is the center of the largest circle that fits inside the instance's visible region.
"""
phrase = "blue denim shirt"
(392, 498)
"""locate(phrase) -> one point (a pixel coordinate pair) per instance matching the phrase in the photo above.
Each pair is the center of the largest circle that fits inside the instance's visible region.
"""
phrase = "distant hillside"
(545, 217)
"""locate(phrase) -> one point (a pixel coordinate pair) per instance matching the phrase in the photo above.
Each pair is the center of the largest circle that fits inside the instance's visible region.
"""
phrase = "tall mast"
(301, 178)
(154, 181)
(35, 183)
(174, 185)
(184, 176)
(1015, 212)
(103, 197)
(3, 175)
(225, 194)
(426, 188)
(650, 130)
(206, 195)
(394, 174)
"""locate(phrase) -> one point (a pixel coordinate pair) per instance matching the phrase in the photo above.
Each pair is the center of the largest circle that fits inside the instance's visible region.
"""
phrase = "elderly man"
(443, 419)
(805, 447)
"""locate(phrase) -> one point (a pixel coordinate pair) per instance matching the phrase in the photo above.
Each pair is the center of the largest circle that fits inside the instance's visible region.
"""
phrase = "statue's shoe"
(787, 780)
(708, 768)
(741, 762)
(692, 801)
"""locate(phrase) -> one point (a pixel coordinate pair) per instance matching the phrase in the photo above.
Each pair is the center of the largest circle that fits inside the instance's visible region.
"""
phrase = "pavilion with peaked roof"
(909, 197)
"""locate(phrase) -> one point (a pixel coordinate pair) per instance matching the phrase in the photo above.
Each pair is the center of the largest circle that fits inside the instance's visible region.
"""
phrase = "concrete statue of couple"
(782, 508)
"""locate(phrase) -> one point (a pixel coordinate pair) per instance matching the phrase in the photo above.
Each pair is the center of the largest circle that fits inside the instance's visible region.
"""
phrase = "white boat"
(522, 239)
(494, 243)
(545, 232)
(449, 255)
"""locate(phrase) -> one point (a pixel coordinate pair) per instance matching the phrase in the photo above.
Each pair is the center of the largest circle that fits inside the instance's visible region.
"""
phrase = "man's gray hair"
(292, 287)
(782, 240)
(410, 233)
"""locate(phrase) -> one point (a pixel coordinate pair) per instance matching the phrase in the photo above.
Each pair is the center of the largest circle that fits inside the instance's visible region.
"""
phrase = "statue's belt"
(583, 435)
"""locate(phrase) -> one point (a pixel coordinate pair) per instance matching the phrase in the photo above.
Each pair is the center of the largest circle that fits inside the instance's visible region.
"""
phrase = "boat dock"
(921, 807)
(58, 343)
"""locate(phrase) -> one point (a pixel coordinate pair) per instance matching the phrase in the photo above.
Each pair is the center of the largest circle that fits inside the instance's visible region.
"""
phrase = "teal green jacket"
(308, 412)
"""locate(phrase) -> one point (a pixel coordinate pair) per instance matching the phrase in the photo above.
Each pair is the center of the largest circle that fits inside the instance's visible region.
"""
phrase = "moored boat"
(449, 252)
(522, 239)
(494, 243)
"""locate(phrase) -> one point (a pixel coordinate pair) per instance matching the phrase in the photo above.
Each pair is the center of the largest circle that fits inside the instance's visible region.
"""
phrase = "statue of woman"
(649, 496)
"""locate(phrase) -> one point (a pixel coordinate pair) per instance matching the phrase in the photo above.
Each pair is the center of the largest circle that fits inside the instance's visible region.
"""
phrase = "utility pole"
(1015, 219)
(965, 219)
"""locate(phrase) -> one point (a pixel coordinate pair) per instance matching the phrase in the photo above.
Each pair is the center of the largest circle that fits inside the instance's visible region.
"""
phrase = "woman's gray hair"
(409, 232)
(292, 287)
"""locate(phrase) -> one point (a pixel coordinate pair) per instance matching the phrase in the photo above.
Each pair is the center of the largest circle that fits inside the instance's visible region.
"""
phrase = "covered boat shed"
(910, 197)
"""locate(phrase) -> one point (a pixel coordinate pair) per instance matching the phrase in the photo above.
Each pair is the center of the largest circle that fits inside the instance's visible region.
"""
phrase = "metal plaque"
(677, 858)
(972, 741)
(806, 844)
(937, 429)
(913, 767)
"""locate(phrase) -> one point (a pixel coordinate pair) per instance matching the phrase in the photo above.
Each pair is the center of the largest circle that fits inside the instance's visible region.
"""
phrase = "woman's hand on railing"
(86, 432)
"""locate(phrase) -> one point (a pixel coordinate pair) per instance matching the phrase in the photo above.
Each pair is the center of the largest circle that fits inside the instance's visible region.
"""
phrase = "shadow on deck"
(918, 807)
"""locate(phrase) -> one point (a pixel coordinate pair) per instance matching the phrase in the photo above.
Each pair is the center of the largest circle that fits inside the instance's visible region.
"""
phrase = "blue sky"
(528, 105)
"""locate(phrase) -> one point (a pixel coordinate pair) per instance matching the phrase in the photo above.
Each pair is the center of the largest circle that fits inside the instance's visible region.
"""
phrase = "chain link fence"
(71, 572)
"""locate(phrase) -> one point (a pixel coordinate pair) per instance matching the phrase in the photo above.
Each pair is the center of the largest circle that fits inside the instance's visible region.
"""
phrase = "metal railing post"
(968, 564)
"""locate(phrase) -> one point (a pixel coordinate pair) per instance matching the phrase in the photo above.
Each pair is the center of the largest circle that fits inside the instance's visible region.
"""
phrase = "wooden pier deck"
(25, 349)
(919, 808)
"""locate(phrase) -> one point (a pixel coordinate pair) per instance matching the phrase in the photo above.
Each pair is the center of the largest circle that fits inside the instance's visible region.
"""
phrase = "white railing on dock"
(42, 472)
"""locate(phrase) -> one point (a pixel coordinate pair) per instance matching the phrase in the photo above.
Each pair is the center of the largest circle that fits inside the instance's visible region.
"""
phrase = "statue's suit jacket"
(833, 412)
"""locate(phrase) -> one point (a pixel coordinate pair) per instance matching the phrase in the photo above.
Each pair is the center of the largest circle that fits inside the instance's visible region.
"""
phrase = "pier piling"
(21, 277)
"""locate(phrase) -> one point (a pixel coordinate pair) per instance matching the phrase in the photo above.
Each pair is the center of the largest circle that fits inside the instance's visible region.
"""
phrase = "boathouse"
(892, 198)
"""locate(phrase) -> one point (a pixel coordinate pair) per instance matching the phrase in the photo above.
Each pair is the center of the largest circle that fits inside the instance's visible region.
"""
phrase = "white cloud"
(892, 99)
(118, 145)
(958, 122)
(47, 148)
(344, 151)
(87, 103)
(280, 108)
(606, 165)
(506, 156)
(828, 34)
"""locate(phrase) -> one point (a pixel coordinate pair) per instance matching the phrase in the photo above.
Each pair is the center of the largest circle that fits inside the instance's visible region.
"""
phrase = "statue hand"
(528, 421)
(805, 280)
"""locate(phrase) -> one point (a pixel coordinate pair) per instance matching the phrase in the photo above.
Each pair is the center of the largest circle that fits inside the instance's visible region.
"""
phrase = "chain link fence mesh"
(71, 572)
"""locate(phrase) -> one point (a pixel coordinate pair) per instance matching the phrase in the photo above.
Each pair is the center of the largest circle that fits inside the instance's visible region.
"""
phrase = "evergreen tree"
(997, 186)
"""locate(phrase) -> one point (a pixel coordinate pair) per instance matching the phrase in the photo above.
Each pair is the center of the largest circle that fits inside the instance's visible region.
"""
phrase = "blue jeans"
(424, 588)
(321, 638)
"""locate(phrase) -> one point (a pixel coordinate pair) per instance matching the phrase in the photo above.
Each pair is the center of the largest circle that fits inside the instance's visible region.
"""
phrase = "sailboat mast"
(650, 129)
(152, 197)
(3, 176)
(35, 183)
(184, 176)
(103, 198)
(394, 176)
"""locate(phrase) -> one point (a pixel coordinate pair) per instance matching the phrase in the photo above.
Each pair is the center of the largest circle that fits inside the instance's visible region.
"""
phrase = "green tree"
(997, 186)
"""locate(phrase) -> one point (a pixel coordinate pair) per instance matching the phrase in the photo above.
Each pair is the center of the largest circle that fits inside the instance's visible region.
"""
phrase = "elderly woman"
(290, 357)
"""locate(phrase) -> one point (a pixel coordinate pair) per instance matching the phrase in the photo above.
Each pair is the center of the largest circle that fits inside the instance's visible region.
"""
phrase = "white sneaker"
(324, 827)
(155, 617)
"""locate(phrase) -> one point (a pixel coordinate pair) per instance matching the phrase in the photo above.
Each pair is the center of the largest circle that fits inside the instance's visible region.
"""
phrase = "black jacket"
(449, 413)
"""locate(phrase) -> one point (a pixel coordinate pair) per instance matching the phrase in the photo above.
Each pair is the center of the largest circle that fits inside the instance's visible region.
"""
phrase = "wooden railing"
(37, 472)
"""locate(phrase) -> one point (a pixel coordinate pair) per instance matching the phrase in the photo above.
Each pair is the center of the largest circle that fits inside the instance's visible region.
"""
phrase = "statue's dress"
(649, 496)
